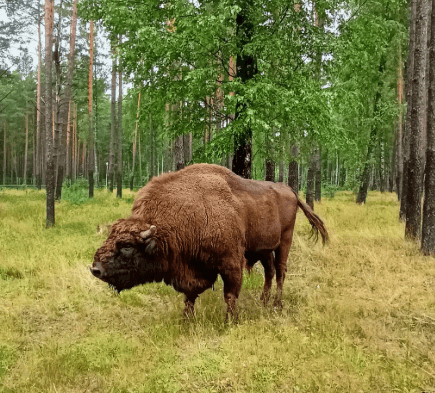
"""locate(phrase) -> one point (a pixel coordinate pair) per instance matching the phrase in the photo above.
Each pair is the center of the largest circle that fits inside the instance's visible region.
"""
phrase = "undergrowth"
(358, 316)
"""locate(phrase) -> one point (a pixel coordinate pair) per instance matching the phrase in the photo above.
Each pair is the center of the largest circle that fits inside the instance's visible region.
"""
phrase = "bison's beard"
(115, 289)
(122, 282)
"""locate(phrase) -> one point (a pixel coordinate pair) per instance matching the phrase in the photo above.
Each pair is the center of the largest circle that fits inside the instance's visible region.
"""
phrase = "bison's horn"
(148, 233)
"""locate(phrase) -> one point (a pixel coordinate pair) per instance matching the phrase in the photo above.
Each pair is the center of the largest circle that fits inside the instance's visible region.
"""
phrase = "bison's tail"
(315, 221)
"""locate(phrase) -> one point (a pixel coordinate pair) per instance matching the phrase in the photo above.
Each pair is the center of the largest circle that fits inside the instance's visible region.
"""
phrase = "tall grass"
(359, 314)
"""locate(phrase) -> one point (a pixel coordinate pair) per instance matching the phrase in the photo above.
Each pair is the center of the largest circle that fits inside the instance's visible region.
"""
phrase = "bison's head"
(130, 255)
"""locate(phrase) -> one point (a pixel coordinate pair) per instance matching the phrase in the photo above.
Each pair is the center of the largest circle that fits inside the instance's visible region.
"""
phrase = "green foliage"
(189, 63)
(365, 65)
(329, 190)
(77, 192)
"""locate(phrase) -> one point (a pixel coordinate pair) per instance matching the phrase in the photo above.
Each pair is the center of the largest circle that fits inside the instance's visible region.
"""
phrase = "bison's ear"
(145, 235)
(150, 248)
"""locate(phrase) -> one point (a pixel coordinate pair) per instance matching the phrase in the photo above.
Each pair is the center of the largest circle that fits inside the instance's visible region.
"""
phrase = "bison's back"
(268, 209)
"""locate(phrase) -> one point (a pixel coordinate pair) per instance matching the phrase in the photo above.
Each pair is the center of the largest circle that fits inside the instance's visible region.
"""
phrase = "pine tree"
(413, 200)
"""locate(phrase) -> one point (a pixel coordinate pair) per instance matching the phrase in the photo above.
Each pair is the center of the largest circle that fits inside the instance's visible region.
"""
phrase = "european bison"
(189, 226)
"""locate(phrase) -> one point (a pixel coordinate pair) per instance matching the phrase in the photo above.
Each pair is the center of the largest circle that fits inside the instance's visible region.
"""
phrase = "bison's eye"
(124, 244)
(127, 250)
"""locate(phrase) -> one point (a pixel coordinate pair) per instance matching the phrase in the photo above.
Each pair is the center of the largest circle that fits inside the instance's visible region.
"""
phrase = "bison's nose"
(95, 271)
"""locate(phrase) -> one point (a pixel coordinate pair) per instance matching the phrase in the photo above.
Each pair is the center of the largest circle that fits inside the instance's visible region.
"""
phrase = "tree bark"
(281, 172)
(318, 176)
(270, 170)
(68, 144)
(38, 158)
(65, 109)
(57, 121)
(4, 153)
(135, 143)
(293, 170)
(50, 170)
(119, 167)
(407, 133)
(152, 160)
(428, 228)
(365, 177)
(75, 150)
(179, 153)
(91, 152)
(246, 66)
(187, 147)
(309, 197)
(113, 121)
(25, 150)
(413, 200)
(398, 158)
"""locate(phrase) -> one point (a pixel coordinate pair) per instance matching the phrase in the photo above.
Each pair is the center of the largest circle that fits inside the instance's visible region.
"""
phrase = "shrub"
(77, 192)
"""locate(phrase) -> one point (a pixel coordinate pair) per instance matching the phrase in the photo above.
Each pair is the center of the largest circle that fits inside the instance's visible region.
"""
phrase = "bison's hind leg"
(281, 256)
(268, 262)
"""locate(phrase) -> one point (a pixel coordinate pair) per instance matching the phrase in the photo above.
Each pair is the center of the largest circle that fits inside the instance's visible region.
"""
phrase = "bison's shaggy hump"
(191, 210)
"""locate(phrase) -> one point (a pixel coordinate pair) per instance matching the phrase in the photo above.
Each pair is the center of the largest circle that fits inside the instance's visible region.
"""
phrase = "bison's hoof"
(278, 304)
(265, 297)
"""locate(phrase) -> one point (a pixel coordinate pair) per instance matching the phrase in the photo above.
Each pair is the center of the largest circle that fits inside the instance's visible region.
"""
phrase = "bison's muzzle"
(97, 270)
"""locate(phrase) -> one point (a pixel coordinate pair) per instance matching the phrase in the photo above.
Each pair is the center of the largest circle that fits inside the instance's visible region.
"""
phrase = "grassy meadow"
(359, 314)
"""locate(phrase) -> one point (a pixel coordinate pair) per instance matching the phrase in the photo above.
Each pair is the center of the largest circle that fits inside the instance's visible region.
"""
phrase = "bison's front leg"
(232, 278)
(189, 309)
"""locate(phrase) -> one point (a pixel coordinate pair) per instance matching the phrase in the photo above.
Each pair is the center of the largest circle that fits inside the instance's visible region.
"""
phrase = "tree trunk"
(49, 176)
(4, 153)
(293, 170)
(317, 163)
(246, 66)
(135, 143)
(75, 150)
(318, 176)
(57, 121)
(413, 200)
(91, 163)
(428, 228)
(119, 167)
(281, 172)
(381, 167)
(365, 178)
(309, 197)
(65, 109)
(38, 158)
(68, 144)
(399, 135)
(407, 133)
(187, 147)
(140, 159)
(112, 120)
(152, 149)
(25, 151)
(179, 153)
(270, 170)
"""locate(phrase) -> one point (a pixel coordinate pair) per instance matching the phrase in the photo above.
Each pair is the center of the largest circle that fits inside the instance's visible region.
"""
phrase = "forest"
(333, 97)
(325, 96)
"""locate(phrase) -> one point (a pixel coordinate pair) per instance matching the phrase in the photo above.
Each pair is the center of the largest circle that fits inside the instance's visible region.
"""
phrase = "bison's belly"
(188, 279)
(263, 238)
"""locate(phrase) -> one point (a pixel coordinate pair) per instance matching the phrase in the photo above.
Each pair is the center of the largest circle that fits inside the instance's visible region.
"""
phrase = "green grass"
(359, 314)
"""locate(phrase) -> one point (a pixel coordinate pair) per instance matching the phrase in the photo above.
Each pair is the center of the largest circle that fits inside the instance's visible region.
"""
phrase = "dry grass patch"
(359, 314)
